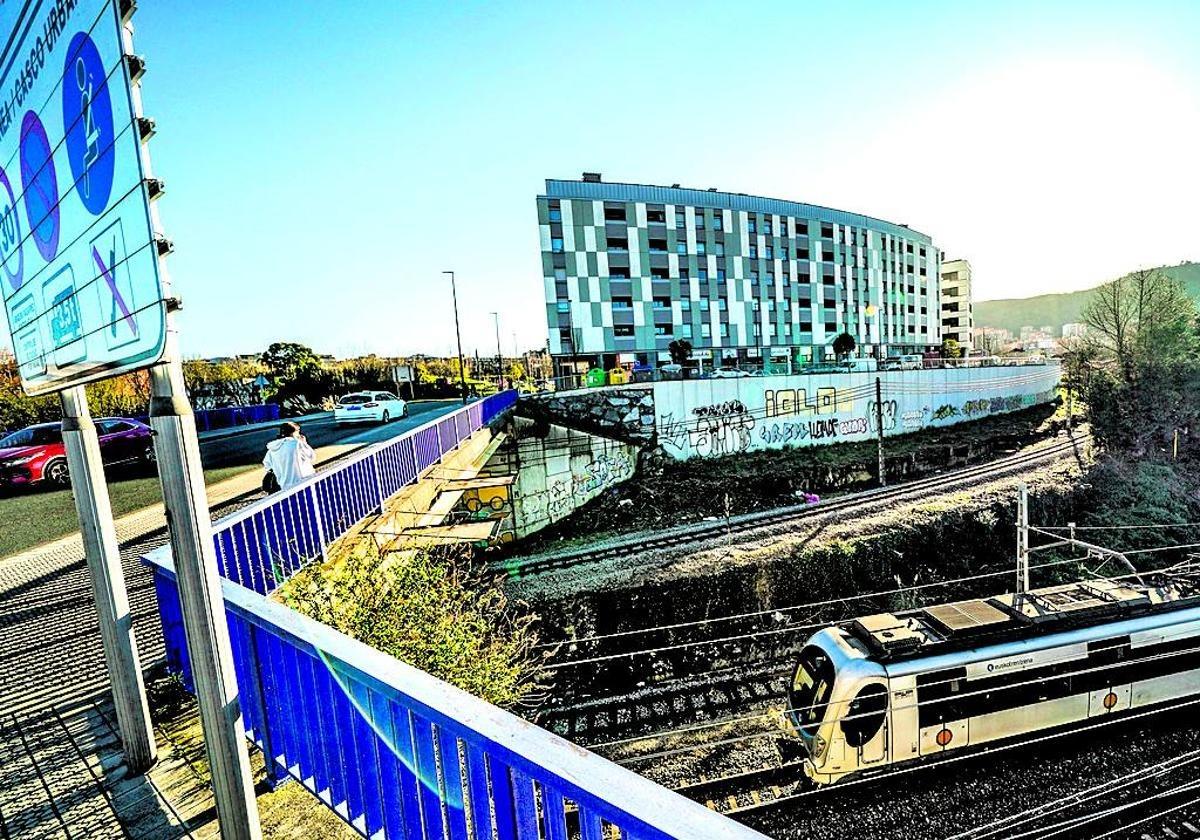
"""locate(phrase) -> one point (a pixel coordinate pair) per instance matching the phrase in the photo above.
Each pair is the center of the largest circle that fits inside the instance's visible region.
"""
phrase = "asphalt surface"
(49, 637)
(247, 447)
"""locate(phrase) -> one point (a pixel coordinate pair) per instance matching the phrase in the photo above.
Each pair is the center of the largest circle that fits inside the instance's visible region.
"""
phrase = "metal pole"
(203, 609)
(108, 580)
(1022, 538)
(178, 454)
(879, 427)
(499, 355)
(462, 374)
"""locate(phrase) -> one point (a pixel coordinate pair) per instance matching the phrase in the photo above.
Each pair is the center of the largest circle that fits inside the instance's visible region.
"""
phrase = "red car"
(36, 455)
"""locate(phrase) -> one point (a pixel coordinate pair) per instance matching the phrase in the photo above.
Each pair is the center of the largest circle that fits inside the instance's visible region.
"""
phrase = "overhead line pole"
(879, 428)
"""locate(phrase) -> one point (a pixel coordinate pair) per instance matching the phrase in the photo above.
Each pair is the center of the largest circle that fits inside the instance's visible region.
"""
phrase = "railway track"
(742, 523)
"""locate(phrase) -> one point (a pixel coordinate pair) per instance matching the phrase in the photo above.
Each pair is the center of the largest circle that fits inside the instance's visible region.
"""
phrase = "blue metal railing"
(397, 753)
(264, 544)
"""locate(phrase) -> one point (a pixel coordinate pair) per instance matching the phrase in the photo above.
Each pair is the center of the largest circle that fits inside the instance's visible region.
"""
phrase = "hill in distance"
(1066, 308)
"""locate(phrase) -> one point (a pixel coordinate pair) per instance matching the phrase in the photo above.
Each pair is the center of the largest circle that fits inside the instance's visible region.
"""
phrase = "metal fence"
(397, 753)
(264, 544)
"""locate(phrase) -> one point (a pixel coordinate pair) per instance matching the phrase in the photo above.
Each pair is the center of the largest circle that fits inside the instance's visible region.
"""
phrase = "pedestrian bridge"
(395, 752)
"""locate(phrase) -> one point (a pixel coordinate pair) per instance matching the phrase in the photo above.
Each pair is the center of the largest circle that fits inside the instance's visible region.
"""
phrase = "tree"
(951, 349)
(844, 345)
(1144, 318)
(680, 350)
(286, 360)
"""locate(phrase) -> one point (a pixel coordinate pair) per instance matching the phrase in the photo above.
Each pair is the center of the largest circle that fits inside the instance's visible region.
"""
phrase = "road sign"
(402, 373)
(78, 257)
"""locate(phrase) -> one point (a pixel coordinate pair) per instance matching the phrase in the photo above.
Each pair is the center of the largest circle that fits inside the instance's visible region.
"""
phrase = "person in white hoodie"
(289, 458)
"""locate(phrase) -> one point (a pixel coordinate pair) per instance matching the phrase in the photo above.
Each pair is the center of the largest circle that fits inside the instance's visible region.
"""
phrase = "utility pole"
(108, 580)
(1022, 538)
(462, 370)
(879, 429)
(499, 354)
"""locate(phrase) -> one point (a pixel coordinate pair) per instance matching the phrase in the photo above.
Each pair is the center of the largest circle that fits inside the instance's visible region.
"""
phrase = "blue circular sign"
(40, 185)
(88, 122)
(11, 255)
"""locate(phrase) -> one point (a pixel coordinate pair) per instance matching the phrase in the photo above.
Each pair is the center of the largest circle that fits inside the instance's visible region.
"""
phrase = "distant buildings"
(958, 318)
(1074, 330)
(630, 268)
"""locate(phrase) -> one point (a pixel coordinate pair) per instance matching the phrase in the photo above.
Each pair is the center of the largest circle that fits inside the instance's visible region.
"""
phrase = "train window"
(811, 688)
(865, 716)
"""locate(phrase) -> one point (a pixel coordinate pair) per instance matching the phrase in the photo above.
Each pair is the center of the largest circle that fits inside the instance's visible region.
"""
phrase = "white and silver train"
(892, 688)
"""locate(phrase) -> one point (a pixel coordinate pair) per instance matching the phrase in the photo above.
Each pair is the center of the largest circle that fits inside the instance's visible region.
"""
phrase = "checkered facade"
(628, 268)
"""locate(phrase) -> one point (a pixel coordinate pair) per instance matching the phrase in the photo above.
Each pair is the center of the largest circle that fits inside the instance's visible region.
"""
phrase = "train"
(893, 688)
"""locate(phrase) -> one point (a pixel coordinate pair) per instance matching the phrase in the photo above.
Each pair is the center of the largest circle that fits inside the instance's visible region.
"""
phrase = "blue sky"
(325, 162)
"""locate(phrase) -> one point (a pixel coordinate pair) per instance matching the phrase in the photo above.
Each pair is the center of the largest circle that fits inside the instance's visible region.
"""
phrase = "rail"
(264, 544)
(397, 753)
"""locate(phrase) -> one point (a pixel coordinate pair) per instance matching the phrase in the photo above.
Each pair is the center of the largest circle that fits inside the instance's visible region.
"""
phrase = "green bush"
(433, 610)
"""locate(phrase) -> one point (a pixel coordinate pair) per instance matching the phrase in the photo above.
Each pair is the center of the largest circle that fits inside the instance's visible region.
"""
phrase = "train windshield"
(811, 689)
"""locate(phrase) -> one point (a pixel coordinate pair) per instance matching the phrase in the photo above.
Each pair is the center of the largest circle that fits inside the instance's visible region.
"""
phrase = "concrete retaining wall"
(725, 416)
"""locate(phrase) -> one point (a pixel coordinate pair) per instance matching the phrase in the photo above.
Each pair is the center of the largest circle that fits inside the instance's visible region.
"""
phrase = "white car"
(369, 407)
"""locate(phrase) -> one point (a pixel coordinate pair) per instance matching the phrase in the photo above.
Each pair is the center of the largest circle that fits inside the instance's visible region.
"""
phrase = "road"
(247, 448)
(49, 639)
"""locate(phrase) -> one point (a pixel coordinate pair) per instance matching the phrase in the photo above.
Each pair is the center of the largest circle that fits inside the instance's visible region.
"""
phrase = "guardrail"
(267, 542)
(397, 753)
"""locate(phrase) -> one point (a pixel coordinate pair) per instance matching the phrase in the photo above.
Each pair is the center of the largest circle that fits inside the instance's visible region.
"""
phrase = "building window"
(614, 214)
(564, 336)
(702, 274)
(656, 216)
(770, 252)
(686, 330)
(753, 252)
(685, 304)
(555, 214)
(724, 330)
(753, 225)
(699, 219)
(722, 304)
(622, 303)
(754, 275)
(661, 302)
(720, 274)
(699, 247)
(718, 220)
(618, 273)
(830, 326)
(706, 330)
(720, 251)
(826, 230)
(660, 274)
(680, 218)
(616, 243)
(663, 329)
(623, 331)
(767, 227)
(556, 245)
(657, 246)
(680, 247)
(564, 306)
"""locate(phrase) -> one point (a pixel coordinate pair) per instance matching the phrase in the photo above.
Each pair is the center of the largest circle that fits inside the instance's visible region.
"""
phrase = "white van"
(860, 365)
(913, 361)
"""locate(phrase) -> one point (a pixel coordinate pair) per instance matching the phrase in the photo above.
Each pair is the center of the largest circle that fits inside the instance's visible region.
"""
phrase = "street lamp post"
(462, 371)
(499, 355)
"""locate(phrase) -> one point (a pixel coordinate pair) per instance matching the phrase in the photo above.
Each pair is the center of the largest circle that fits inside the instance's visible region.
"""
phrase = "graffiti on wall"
(885, 411)
(719, 429)
(789, 402)
(563, 493)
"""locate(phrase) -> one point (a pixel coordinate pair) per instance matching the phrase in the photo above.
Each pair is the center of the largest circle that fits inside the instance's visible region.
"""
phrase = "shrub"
(433, 610)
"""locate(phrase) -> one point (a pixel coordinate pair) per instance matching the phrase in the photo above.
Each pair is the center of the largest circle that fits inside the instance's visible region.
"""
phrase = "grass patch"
(30, 518)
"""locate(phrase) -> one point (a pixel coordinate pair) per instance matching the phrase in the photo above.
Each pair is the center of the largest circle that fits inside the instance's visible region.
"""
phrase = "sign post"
(87, 298)
(108, 580)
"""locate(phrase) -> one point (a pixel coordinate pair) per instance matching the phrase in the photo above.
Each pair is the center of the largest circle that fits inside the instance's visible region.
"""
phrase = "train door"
(865, 725)
(904, 731)
(1107, 681)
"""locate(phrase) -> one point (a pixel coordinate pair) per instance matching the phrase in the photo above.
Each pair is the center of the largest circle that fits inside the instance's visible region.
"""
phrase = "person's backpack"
(270, 483)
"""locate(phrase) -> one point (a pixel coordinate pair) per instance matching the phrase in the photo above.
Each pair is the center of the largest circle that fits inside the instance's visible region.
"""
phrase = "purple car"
(36, 454)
